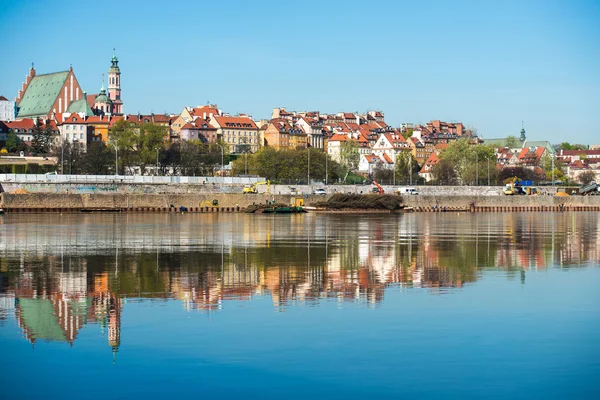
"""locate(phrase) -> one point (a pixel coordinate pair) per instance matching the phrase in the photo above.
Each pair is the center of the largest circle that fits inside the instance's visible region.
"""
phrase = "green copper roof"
(501, 142)
(40, 320)
(540, 143)
(80, 106)
(41, 94)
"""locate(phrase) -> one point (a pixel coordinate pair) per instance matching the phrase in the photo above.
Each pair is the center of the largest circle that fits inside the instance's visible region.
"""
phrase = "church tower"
(114, 86)
(523, 137)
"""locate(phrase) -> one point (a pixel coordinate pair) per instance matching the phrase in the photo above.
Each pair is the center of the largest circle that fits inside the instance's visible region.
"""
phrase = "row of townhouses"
(76, 117)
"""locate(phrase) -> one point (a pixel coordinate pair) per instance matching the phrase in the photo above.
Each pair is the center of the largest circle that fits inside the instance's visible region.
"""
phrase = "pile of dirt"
(258, 207)
(341, 201)
(20, 191)
(562, 194)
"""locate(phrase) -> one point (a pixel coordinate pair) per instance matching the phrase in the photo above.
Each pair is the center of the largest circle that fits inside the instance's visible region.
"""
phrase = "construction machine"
(590, 190)
(377, 188)
(252, 189)
(517, 188)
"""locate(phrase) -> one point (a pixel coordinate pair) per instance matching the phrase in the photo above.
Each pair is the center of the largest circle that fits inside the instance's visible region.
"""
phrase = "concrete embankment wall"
(155, 202)
(162, 202)
(499, 201)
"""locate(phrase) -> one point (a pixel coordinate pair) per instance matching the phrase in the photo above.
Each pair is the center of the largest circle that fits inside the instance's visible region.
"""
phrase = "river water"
(502, 305)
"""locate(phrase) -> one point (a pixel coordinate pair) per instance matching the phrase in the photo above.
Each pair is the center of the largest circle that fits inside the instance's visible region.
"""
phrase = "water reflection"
(59, 273)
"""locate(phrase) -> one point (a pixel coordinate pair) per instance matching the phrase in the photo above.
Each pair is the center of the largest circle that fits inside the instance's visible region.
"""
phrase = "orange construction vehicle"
(377, 188)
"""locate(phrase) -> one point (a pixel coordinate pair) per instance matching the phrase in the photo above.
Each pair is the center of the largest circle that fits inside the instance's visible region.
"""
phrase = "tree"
(288, 165)
(349, 157)
(12, 141)
(568, 146)
(512, 142)
(407, 168)
(39, 144)
(469, 160)
(149, 141)
(586, 177)
(444, 173)
(97, 160)
(122, 138)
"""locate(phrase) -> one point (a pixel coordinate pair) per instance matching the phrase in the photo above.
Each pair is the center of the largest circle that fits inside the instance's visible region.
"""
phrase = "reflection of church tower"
(114, 86)
(114, 323)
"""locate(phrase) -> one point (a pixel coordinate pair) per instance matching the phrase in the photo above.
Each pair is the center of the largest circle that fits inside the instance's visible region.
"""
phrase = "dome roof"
(102, 97)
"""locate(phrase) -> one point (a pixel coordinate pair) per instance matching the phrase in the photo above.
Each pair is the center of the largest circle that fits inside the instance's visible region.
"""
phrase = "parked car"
(319, 192)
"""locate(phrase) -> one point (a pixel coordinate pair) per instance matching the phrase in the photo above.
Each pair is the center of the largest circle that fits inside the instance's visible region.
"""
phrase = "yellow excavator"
(252, 189)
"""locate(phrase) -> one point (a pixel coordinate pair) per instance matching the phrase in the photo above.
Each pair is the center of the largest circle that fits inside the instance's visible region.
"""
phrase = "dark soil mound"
(362, 202)
(259, 207)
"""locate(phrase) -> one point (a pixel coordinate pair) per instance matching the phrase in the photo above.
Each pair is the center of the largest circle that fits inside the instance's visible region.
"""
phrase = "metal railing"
(133, 179)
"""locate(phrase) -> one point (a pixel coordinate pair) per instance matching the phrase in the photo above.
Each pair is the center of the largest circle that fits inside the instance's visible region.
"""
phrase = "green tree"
(470, 161)
(444, 173)
(407, 168)
(512, 142)
(12, 141)
(149, 141)
(39, 141)
(586, 177)
(97, 160)
(122, 139)
(349, 157)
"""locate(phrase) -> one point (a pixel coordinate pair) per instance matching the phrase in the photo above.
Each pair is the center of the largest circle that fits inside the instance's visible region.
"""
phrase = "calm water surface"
(328, 306)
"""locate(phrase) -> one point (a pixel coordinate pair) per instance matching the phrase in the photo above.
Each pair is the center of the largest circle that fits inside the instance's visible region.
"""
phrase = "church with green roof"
(44, 95)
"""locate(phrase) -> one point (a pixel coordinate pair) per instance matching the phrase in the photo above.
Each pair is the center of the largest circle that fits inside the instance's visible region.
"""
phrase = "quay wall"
(162, 202)
(209, 188)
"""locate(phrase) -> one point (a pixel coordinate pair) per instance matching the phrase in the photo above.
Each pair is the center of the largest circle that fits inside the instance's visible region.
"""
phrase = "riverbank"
(235, 202)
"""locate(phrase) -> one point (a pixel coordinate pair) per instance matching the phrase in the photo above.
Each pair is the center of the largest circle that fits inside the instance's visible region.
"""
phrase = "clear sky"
(489, 64)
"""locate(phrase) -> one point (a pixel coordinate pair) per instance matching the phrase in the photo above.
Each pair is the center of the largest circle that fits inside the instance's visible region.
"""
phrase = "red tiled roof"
(235, 122)
(199, 111)
(201, 123)
(2, 98)
(25, 123)
(74, 118)
(97, 119)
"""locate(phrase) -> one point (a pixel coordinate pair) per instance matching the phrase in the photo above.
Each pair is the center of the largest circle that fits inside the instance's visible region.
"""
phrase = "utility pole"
(157, 162)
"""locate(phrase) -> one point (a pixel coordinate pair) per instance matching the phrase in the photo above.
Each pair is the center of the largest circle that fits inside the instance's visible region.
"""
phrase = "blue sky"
(489, 64)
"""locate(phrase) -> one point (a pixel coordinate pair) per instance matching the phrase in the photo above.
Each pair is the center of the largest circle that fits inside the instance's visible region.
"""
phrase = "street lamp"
(326, 157)
(222, 156)
(116, 159)
(246, 163)
(62, 158)
(157, 161)
(308, 173)
(477, 170)
(552, 155)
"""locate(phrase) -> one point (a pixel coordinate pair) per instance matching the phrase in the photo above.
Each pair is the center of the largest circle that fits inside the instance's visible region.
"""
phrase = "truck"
(406, 191)
(253, 189)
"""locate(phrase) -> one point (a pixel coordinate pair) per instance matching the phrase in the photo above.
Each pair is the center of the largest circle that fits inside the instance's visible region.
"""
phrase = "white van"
(406, 191)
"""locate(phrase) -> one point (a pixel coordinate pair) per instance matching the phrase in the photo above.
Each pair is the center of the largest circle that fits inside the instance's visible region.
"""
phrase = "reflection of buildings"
(57, 289)
(57, 305)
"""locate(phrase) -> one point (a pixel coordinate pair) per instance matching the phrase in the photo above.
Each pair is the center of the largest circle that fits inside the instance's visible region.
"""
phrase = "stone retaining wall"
(48, 201)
